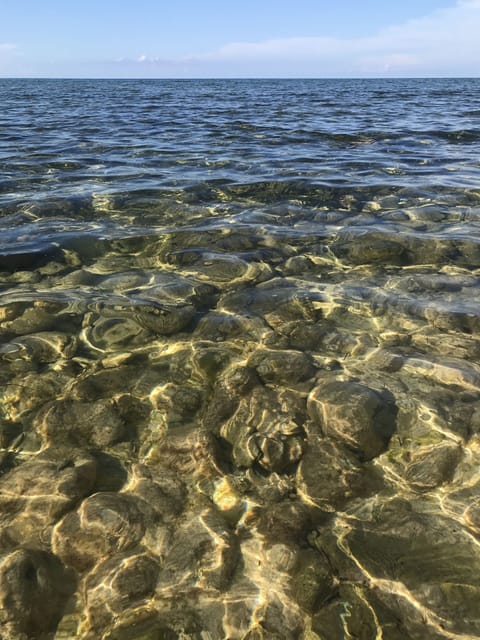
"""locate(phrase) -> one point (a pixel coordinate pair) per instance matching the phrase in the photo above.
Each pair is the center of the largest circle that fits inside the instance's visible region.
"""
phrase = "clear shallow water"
(240, 359)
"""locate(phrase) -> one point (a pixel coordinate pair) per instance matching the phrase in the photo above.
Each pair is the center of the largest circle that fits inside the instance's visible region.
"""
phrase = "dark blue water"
(67, 138)
(239, 359)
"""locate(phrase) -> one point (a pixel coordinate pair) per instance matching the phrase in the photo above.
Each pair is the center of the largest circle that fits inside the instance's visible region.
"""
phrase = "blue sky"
(252, 38)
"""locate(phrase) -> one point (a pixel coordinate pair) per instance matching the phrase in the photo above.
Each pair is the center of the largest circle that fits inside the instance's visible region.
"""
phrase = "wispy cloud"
(7, 47)
(445, 41)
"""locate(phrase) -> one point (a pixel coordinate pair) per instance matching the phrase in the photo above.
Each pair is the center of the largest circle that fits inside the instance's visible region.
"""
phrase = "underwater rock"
(81, 423)
(263, 431)
(204, 554)
(123, 581)
(232, 385)
(28, 255)
(357, 613)
(239, 380)
(104, 523)
(357, 416)
(111, 473)
(114, 332)
(329, 476)
(36, 494)
(302, 336)
(208, 361)
(162, 490)
(40, 348)
(34, 588)
(185, 449)
(107, 382)
(177, 403)
(424, 567)
(140, 624)
(220, 269)
(277, 301)
(431, 466)
(312, 583)
(367, 247)
(449, 371)
(286, 521)
(282, 367)
(299, 265)
(164, 319)
(30, 392)
(220, 326)
(43, 315)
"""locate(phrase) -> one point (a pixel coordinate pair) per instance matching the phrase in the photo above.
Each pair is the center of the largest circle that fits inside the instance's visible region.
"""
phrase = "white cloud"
(446, 40)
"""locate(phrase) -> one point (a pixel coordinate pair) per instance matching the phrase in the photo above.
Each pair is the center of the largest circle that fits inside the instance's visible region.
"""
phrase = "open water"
(239, 359)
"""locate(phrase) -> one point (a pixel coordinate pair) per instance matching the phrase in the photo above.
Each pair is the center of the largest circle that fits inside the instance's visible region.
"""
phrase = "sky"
(252, 38)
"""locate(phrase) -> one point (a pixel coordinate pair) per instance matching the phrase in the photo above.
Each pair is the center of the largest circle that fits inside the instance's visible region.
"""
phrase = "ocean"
(240, 359)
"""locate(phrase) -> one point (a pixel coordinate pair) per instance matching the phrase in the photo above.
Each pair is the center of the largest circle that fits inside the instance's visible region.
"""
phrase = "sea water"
(239, 344)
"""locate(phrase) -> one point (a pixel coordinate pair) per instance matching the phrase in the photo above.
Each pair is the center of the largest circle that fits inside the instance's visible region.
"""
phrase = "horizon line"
(426, 77)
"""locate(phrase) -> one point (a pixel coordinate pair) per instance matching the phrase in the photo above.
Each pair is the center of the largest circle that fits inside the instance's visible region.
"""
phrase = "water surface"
(239, 342)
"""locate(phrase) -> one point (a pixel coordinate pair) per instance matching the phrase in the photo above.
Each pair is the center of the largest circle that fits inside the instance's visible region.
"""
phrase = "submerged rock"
(104, 523)
(422, 566)
(355, 415)
(36, 494)
(265, 431)
(312, 583)
(430, 466)
(40, 348)
(282, 367)
(358, 613)
(82, 423)
(329, 476)
(34, 588)
(368, 247)
(204, 555)
(121, 582)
